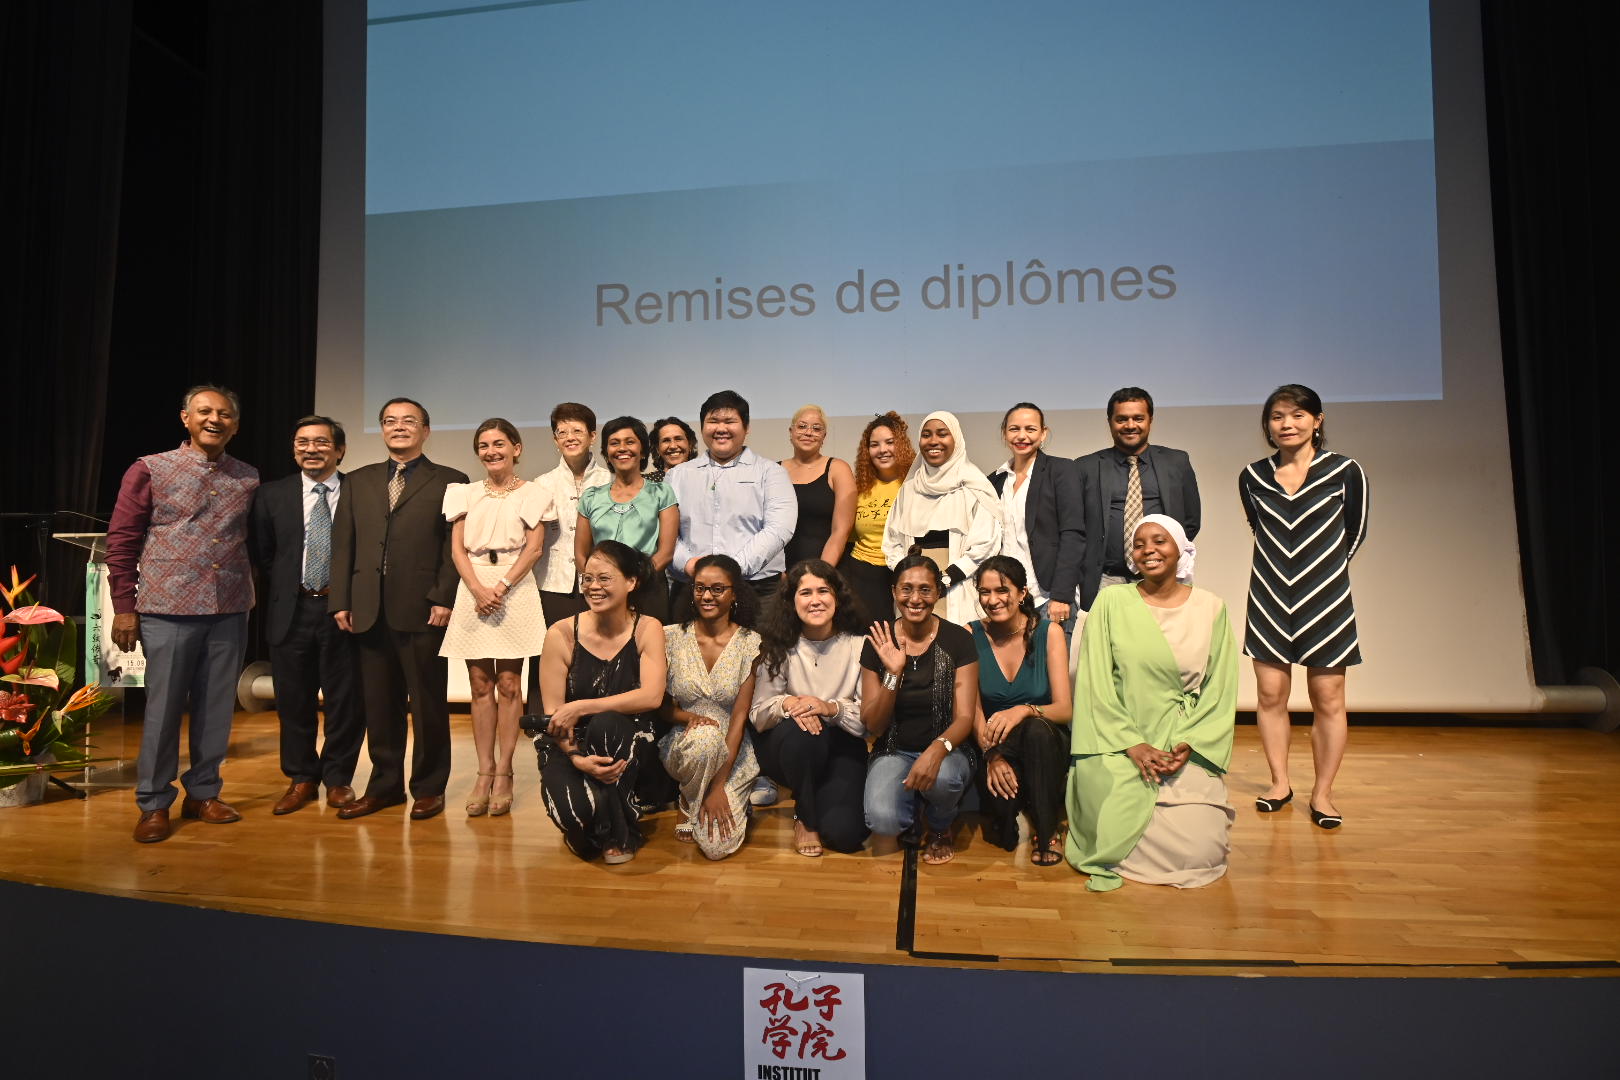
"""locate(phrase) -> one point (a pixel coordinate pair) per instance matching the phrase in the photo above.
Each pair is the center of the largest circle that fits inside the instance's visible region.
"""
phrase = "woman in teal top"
(1022, 724)
(1153, 727)
(633, 510)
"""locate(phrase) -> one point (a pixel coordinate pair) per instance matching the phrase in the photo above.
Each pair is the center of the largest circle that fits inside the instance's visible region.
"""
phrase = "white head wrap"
(949, 489)
(1184, 566)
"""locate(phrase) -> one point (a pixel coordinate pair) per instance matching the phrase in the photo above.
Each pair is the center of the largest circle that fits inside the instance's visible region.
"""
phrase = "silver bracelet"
(891, 681)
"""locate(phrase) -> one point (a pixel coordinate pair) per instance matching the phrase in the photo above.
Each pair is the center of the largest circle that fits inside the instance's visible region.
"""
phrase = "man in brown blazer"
(393, 584)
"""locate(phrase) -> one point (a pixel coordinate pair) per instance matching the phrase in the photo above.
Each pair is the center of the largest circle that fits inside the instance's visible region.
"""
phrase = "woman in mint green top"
(633, 510)
(1153, 724)
(1022, 723)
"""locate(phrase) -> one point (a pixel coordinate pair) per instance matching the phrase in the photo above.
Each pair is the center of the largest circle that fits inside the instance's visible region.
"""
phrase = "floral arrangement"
(41, 715)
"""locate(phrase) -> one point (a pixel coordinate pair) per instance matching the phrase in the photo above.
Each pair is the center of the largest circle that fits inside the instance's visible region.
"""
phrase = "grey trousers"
(192, 664)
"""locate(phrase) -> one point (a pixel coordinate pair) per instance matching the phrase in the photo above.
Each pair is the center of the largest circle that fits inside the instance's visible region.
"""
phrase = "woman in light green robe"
(1155, 703)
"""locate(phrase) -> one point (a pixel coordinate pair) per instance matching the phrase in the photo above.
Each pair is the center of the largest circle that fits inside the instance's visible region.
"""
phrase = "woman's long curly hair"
(780, 627)
(904, 453)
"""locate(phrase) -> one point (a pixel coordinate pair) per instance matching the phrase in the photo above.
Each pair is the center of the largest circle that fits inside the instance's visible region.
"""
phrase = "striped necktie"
(318, 542)
(1133, 501)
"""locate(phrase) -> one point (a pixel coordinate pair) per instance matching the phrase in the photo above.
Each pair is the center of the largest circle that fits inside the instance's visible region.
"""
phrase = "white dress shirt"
(1014, 535)
(745, 508)
(555, 571)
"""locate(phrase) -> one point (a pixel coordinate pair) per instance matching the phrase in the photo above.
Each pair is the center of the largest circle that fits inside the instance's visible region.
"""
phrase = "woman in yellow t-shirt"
(881, 461)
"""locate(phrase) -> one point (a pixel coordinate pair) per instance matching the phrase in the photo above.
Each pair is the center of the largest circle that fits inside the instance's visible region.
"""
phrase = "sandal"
(500, 804)
(616, 856)
(478, 805)
(683, 833)
(938, 849)
(1051, 854)
(810, 849)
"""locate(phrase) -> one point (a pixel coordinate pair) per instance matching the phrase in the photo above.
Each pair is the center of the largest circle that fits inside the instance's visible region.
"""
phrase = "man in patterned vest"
(177, 562)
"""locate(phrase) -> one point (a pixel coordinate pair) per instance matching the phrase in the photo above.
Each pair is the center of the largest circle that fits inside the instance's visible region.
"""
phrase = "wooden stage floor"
(1479, 851)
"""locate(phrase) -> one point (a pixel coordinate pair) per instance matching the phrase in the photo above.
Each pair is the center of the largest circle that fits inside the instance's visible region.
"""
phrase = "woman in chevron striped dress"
(1307, 507)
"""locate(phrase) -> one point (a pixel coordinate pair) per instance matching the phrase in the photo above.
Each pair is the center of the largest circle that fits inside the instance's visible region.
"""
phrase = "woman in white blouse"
(807, 706)
(948, 511)
(496, 538)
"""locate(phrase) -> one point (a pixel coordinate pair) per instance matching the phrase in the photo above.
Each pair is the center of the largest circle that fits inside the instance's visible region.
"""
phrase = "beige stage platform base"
(1467, 852)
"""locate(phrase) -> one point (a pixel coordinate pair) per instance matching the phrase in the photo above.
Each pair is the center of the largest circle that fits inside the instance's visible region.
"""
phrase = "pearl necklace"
(502, 492)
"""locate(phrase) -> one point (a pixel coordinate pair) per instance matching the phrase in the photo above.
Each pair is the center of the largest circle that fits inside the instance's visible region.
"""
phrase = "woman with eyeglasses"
(633, 510)
(825, 488)
(711, 686)
(602, 678)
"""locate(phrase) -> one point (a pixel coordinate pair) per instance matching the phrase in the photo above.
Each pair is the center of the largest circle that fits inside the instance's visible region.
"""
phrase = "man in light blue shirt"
(733, 502)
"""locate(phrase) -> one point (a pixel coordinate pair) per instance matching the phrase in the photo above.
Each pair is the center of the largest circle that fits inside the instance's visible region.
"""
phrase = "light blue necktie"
(318, 542)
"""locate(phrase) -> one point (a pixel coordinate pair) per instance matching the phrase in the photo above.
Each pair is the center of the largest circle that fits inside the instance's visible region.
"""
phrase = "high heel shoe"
(500, 804)
(478, 805)
(1325, 821)
(1271, 806)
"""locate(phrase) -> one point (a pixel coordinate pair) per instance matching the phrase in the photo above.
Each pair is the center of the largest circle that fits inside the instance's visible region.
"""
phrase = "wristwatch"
(947, 742)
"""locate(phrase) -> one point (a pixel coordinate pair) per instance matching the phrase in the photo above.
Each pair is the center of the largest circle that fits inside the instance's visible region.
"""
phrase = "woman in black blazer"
(1041, 513)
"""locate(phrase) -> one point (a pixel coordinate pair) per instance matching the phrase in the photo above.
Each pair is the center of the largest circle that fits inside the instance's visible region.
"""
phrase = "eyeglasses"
(401, 421)
(312, 444)
(922, 591)
(715, 591)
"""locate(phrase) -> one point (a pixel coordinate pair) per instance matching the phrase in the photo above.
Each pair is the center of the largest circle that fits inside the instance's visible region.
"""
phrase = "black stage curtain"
(162, 177)
(63, 75)
(1549, 85)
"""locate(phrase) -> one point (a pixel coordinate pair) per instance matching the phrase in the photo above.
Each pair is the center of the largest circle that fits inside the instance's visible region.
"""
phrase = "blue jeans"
(891, 808)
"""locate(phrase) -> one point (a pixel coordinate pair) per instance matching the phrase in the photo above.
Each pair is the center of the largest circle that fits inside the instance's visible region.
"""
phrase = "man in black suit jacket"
(290, 534)
(1168, 487)
(393, 584)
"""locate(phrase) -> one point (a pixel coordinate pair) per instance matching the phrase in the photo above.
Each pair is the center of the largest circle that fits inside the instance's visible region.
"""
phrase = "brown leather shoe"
(213, 811)
(298, 793)
(153, 826)
(427, 806)
(340, 796)
(368, 804)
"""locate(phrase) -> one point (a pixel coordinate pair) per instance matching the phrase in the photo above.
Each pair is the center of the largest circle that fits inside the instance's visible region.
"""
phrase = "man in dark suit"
(290, 533)
(393, 584)
(1125, 482)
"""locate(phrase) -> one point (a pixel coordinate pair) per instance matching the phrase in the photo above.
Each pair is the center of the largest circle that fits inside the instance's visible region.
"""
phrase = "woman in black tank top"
(825, 487)
(602, 677)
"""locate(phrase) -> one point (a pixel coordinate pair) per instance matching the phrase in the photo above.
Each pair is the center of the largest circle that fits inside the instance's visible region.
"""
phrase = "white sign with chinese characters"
(803, 1025)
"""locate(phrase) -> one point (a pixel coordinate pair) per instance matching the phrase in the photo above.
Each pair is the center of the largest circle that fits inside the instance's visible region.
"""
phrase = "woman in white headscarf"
(948, 511)
(1152, 728)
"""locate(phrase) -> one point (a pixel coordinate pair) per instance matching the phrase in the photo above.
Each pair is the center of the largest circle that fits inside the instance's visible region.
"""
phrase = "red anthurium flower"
(36, 676)
(10, 664)
(34, 615)
(14, 708)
